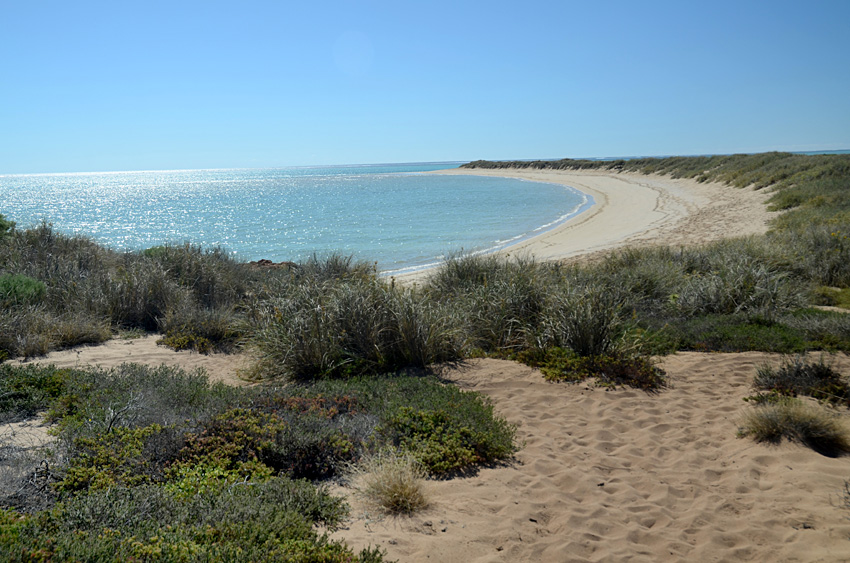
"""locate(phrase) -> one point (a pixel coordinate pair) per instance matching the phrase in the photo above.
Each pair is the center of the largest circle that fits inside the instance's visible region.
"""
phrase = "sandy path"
(625, 476)
(144, 350)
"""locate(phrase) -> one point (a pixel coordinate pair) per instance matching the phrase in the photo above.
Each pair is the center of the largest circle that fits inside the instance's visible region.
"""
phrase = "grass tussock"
(352, 327)
(391, 481)
(798, 376)
(793, 420)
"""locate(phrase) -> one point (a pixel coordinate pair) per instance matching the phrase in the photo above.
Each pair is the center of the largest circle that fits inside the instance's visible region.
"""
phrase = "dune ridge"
(603, 474)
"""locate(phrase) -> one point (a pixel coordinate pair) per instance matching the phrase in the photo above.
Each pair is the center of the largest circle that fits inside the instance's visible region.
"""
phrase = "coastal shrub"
(585, 320)
(28, 389)
(114, 458)
(350, 327)
(214, 278)
(795, 421)
(832, 296)
(135, 396)
(739, 287)
(391, 481)
(798, 376)
(6, 227)
(138, 295)
(271, 521)
(431, 438)
(26, 477)
(16, 289)
(426, 332)
(128, 425)
(559, 364)
(191, 327)
(424, 417)
(731, 333)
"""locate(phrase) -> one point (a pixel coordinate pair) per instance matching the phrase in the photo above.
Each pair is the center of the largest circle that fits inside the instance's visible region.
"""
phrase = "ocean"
(390, 214)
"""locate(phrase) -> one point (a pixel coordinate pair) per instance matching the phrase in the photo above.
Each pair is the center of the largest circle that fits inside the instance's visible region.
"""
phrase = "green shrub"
(114, 458)
(833, 296)
(434, 440)
(351, 327)
(26, 390)
(16, 289)
(265, 522)
(202, 330)
(448, 429)
(558, 364)
(798, 376)
(734, 333)
(6, 227)
(135, 396)
(586, 321)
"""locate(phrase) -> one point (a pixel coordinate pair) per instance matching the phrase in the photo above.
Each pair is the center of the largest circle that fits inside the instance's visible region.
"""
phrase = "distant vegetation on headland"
(155, 464)
(797, 181)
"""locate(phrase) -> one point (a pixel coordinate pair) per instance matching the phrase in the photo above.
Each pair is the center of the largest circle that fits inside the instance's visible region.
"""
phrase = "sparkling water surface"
(390, 214)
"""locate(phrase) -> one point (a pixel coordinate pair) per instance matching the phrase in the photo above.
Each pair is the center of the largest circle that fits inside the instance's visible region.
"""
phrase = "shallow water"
(390, 214)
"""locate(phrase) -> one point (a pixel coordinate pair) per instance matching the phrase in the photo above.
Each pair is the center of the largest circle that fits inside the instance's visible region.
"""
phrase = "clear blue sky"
(95, 86)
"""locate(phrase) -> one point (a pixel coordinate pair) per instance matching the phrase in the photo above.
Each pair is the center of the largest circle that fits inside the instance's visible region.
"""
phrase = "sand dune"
(620, 475)
(603, 475)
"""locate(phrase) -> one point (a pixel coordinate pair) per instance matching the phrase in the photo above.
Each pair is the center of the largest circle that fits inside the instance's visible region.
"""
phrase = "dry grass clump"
(793, 420)
(798, 376)
(391, 481)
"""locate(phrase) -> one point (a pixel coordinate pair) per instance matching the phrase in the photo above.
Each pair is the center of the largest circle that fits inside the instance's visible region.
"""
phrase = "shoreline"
(632, 210)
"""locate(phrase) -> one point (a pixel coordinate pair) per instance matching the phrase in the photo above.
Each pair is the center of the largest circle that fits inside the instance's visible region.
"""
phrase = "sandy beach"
(638, 209)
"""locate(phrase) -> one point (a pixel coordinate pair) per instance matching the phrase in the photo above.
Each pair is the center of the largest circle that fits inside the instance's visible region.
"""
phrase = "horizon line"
(410, 163)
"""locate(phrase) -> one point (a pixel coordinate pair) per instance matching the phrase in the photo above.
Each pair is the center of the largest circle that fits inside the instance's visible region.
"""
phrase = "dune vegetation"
(159, 464)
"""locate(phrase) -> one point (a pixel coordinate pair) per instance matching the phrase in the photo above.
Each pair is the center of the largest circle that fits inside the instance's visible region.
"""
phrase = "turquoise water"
(391, 214)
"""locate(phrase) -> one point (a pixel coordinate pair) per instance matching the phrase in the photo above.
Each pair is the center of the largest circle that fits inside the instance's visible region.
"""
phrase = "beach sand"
(602, 474)
(634, 210)
(607, 474)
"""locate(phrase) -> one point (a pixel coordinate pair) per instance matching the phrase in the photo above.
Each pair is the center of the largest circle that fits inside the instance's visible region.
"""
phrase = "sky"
(101, 86)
